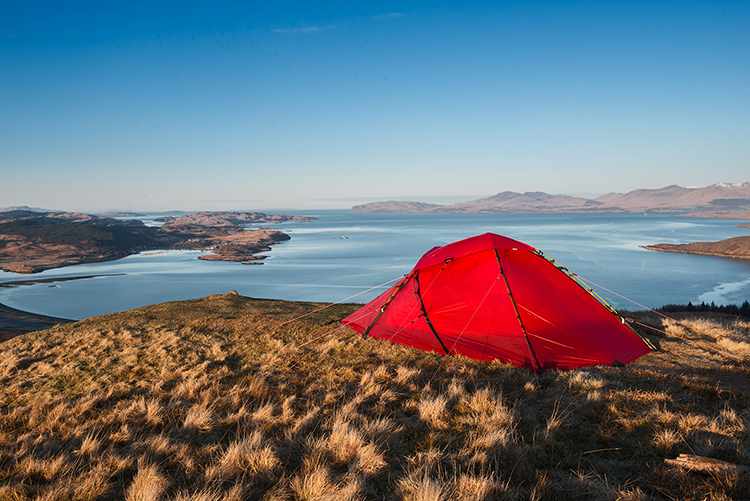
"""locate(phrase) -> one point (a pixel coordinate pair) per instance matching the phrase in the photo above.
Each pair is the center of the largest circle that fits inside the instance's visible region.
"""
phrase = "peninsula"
(737, 247)
(31, 241)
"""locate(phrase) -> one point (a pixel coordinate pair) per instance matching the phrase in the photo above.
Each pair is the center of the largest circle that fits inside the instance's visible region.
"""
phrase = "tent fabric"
(493, 298)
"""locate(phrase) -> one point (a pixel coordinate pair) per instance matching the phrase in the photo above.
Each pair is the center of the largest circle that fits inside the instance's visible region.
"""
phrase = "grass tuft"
(148, 484)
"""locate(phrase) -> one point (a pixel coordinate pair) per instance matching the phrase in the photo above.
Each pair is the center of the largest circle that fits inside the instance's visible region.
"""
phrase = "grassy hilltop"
(219, 398)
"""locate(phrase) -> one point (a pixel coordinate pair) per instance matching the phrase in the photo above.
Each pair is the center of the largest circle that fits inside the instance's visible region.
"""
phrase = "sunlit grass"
(219, 398)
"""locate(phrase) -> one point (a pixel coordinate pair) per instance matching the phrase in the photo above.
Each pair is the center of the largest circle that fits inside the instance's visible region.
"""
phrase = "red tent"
(492, 298)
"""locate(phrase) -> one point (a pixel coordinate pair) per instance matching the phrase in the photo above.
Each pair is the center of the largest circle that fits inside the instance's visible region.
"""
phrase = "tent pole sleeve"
(385, 305)
(518, 315)
(426, 317)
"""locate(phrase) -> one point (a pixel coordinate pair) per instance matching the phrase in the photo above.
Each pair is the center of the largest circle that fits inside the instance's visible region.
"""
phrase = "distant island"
(717, 197)
(227, 219)
(31, 241)
(119, 214)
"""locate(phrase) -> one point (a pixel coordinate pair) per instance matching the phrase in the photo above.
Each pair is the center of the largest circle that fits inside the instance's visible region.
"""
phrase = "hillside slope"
(225, 398)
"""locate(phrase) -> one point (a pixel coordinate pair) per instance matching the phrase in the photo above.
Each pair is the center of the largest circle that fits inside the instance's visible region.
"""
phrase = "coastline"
(14, 322)
(32, 281)
(736, 248)
(35, 242)
(718, 215)
(658, 248)
(305, 269)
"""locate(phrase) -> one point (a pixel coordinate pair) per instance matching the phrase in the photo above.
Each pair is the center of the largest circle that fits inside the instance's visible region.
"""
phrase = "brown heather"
(220, 399)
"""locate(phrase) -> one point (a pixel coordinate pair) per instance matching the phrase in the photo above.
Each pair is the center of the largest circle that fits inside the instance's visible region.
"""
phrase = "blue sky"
(262, 105)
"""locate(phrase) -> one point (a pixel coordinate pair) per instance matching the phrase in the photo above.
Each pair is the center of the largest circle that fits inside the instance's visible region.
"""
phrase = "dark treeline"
(729, 309)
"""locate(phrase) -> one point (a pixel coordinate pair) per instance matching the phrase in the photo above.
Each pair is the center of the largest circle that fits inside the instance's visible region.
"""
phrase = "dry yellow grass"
(196, 400)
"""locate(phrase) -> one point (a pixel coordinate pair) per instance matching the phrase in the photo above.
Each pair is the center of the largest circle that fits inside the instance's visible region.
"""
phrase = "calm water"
(344, 253)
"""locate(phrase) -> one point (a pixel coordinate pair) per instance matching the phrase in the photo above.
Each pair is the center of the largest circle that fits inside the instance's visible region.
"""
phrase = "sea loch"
(342, 254)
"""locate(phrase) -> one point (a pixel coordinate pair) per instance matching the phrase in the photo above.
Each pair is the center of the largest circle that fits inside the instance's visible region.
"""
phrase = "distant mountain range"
(719, 196)
(22, 207)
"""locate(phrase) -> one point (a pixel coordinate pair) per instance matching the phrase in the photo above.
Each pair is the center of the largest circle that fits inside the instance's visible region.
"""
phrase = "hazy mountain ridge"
(671, 198)
(396, 206)
(531, 201)
(23, 208)
(208, 218)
